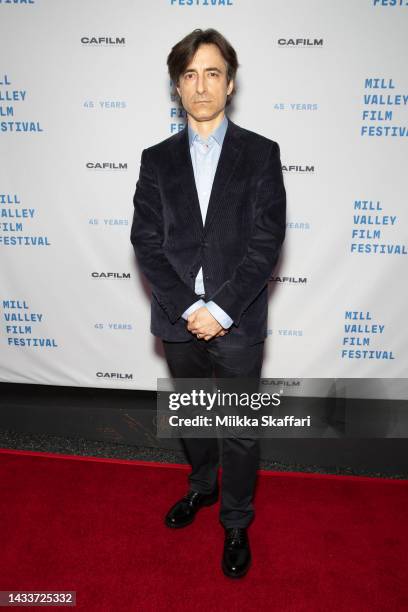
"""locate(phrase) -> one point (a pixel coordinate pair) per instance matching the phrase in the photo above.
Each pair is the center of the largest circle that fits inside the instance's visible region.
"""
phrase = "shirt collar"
(218, 134)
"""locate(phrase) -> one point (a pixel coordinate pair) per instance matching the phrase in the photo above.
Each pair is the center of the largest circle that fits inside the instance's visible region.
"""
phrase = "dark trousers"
(239, 456)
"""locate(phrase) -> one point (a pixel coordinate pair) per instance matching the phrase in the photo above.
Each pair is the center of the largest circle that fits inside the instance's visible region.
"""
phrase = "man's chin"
(204, 114)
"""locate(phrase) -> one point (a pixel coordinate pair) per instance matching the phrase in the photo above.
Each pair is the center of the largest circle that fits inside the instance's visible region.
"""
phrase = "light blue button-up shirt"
(204, 156)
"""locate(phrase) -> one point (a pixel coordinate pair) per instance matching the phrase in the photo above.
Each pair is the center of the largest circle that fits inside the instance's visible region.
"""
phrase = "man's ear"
(230, 87)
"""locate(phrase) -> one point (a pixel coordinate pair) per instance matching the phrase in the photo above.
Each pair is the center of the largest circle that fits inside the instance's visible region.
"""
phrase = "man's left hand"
(203, 324)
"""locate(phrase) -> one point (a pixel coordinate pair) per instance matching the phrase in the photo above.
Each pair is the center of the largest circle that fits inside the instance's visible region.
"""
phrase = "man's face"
(203, 86)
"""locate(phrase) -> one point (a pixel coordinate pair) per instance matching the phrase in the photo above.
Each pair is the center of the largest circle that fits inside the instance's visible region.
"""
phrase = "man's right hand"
(204, 325)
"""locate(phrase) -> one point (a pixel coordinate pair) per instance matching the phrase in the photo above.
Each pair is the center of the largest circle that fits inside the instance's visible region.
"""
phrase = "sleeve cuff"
(192, 308)
(219, 314)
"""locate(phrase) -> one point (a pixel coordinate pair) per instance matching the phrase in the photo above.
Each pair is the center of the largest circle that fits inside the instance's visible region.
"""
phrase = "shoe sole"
(210, 502)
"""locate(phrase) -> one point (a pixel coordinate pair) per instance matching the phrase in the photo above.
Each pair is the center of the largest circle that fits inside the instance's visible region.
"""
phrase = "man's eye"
(214, 73)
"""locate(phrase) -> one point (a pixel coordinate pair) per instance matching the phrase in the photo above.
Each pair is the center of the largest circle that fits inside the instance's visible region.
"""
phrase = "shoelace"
(236, 534)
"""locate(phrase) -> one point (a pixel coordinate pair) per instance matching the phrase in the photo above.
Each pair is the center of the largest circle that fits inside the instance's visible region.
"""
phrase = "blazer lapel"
(185, 171)
(230, 154)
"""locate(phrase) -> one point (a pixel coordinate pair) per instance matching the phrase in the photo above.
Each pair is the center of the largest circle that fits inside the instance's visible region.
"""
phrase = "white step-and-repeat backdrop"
(84, 88)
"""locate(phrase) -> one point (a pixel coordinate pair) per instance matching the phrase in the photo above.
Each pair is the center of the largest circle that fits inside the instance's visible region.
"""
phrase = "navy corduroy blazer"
(238, 246)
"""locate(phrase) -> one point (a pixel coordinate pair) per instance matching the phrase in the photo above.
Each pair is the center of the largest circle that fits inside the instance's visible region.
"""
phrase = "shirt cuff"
(192, 308)
(219, 314)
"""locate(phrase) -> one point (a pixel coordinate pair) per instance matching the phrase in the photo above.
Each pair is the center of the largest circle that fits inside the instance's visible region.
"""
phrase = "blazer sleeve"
(255, 269)
(146, 235)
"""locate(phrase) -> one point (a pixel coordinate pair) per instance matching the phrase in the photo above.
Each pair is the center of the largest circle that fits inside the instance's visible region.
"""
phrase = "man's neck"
(205, 128)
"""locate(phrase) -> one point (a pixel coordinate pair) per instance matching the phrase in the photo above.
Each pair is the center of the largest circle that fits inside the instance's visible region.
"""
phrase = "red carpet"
(319, 543)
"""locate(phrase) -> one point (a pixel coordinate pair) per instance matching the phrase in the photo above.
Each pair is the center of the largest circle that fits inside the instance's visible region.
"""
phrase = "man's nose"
(201, 84)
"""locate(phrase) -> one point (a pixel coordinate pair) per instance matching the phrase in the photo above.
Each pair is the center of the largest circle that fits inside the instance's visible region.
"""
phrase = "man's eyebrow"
(194, 70)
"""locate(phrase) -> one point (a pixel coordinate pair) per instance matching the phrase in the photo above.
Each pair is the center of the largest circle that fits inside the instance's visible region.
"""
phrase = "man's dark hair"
(183, 52)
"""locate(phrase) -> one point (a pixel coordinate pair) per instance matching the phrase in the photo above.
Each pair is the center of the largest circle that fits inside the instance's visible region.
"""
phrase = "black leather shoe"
(182, 513)
(237, 554)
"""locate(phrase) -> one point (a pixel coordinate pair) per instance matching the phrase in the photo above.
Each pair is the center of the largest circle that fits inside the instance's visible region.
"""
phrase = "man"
(209, 222)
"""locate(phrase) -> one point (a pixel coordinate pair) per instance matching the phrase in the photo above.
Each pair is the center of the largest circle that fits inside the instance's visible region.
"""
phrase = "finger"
(222, 332)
